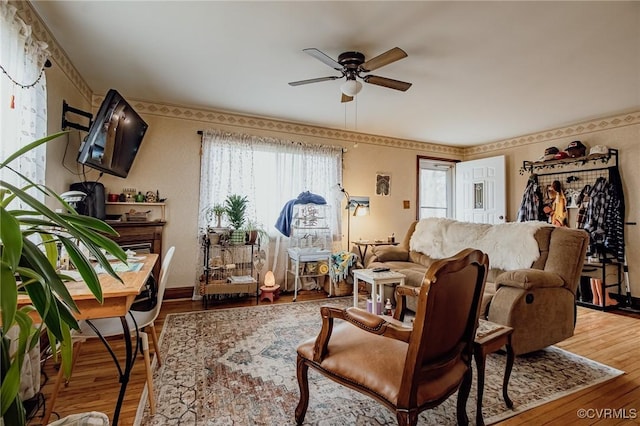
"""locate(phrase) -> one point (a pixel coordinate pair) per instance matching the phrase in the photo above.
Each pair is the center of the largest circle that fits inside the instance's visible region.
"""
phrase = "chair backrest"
(447, 314)
(162, 285)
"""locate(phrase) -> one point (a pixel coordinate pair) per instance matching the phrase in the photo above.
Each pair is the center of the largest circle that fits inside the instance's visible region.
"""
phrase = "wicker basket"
(341, 288)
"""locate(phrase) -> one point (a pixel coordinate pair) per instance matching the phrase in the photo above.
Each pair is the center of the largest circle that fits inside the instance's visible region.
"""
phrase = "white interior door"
(481, 190)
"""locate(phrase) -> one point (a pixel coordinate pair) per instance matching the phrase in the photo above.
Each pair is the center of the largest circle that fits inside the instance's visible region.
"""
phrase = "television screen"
(114, 137)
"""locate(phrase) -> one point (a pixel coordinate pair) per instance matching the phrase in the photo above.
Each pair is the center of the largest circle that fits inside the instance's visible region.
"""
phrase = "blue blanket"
(283, 224)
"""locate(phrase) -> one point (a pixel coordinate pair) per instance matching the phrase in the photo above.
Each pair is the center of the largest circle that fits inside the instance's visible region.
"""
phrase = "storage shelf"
(116, 203)
(162, 207)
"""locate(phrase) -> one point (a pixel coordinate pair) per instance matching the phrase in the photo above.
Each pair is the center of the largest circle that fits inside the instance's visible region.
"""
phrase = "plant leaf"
(84, 267)
(50, 247)
(29, 147)
(11, 238)
(9, 291)
(40, 263)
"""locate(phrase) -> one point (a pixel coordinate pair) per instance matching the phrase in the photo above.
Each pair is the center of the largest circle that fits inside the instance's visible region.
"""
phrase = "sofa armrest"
(387, 254)
(528, 279)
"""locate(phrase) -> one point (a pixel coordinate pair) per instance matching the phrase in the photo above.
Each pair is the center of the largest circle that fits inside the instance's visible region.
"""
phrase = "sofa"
(534, 272)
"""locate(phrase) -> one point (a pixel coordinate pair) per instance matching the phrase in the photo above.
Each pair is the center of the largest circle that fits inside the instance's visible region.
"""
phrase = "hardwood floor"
(607, 337)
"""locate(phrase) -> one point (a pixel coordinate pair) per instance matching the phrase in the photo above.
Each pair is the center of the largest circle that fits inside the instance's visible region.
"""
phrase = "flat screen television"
(114, 137)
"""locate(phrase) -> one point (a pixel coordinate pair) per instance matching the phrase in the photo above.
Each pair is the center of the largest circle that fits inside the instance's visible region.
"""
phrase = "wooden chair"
(406, 369)
(113, 327)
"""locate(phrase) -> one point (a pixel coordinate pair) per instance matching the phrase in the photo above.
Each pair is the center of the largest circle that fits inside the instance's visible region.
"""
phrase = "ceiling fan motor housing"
(351, 61)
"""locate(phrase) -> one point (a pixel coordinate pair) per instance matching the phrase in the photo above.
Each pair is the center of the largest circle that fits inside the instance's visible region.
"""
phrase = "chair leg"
(156, 347)
(463, 396)
(303, 383)
(147, 364)
(407, 418)
(59, 379)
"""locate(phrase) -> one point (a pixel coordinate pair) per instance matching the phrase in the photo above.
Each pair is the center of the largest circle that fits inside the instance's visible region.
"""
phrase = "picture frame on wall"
(383, 184)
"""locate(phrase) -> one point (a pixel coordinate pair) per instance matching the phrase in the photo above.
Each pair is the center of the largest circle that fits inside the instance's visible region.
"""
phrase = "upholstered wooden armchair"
(406, 369)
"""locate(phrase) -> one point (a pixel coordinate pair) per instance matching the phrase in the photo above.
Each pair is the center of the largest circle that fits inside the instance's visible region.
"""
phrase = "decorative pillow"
(390, 253)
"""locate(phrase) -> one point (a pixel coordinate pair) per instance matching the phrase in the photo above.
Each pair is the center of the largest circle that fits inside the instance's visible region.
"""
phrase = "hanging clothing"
(559, 210)
(614, 217)
(583, 204)
(531, 205)
(594, 224)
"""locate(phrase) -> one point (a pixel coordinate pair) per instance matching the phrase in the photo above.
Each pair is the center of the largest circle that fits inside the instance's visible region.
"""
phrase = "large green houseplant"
(29, 240)
(236, 209)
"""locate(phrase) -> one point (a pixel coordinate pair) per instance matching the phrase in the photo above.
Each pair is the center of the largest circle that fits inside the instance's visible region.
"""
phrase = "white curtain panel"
(270, 172)
(23, 98)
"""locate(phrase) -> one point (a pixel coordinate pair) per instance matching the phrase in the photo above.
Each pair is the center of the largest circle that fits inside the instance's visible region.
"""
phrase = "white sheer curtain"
(269, 172)
(23, 98)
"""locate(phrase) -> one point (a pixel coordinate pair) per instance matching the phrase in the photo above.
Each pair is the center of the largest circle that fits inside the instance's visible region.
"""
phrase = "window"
(270, 172)
(23, 113)
(435, 188)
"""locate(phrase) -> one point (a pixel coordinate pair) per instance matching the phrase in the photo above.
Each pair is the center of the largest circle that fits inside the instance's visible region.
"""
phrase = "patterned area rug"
(238, 366)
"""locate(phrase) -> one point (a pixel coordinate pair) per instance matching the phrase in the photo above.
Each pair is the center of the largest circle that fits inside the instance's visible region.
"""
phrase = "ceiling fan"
(352, 65)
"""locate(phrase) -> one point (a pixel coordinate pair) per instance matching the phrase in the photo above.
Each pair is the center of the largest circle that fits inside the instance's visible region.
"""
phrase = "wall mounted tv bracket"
(68, 124)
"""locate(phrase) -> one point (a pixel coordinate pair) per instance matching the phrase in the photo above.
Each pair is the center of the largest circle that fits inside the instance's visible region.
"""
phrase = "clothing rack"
(574, 174)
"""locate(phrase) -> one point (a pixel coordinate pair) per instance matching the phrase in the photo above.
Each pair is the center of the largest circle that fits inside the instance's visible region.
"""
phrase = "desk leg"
(128, 361)
(481, 358)
(507, 374)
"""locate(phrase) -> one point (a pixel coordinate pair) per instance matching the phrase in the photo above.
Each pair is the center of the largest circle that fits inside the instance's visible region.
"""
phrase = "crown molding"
(579, 129)
(247, 122)
(27, 13)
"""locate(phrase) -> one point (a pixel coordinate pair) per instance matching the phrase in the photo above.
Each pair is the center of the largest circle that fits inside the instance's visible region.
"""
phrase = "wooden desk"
(117, 296)
(117, 300)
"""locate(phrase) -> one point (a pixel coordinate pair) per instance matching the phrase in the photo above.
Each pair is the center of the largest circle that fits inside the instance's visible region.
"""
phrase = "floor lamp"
(346, 194)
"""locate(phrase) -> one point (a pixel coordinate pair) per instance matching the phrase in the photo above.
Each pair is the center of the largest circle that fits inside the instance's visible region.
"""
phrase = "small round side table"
(269, 293)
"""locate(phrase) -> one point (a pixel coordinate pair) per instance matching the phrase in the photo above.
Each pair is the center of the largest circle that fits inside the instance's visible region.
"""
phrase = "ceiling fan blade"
(314, 80)
(387, 82)
(323, 58)
(346, 98)
(383, 59)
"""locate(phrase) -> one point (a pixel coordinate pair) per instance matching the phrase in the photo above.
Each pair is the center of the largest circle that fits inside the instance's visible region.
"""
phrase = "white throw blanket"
(509, 245)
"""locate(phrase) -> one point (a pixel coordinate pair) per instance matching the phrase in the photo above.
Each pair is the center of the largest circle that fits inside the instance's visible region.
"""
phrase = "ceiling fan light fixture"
(351, 87)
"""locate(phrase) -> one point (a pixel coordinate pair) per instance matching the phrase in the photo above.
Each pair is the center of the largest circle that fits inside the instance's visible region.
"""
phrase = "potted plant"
(255, 230)
(217, 211)
(236, 209)
(29, 240)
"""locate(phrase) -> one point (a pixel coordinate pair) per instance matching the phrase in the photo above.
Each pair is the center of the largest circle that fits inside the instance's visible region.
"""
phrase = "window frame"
(436, 163)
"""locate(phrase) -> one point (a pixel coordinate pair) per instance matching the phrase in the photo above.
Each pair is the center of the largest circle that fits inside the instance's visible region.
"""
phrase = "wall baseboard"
(178, 293)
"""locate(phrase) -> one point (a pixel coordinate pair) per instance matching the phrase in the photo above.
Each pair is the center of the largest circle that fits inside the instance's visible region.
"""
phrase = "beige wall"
(621, 132)
(169, 160)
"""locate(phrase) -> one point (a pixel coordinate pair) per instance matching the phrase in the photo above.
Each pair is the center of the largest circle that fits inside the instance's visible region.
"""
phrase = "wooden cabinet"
(140, 235)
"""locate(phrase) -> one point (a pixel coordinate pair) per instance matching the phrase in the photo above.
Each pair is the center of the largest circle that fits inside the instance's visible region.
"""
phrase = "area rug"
(237, 366)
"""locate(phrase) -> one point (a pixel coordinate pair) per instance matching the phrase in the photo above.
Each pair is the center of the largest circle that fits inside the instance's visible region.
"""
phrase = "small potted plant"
(217, 211)
(236, 208)
(255, 231)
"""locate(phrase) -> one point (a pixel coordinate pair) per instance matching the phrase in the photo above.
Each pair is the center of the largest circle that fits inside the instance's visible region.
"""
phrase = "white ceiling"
(481, 71)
